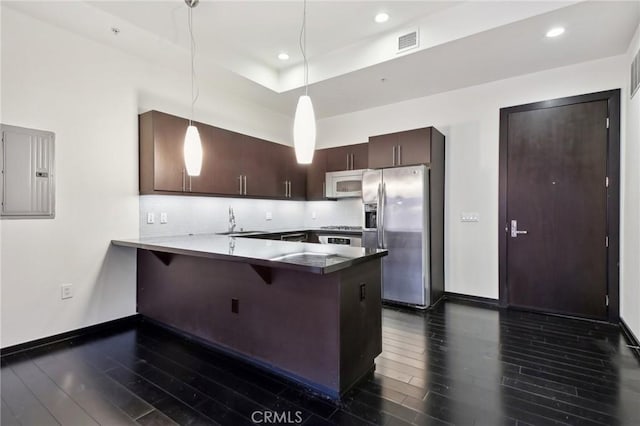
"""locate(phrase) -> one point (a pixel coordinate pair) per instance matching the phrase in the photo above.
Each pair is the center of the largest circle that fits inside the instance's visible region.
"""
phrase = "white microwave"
(346, 184)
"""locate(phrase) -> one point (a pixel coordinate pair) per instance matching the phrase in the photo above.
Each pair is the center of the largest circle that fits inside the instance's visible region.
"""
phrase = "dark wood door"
(316, 176)
(414, 147)
(168, 144)
(382, 150)
(556, 171)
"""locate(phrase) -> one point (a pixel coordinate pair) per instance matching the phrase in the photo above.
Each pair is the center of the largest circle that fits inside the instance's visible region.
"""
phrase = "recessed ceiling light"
(555, 32)
(381, 17)
(283, 56)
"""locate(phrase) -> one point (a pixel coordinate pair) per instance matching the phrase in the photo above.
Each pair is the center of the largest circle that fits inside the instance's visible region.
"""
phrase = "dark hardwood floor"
(459, 364)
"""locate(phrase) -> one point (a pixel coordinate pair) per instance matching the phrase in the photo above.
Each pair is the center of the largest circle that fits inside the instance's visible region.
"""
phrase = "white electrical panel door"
(27, 173)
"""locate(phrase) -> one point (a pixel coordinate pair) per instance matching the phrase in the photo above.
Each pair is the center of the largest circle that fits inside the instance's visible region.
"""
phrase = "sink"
(238, 232)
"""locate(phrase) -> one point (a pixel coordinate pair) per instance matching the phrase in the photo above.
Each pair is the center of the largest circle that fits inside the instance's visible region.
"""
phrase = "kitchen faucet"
(232, 220)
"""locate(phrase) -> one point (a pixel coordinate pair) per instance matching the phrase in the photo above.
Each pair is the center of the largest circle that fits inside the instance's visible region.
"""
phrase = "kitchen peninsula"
(310, 312)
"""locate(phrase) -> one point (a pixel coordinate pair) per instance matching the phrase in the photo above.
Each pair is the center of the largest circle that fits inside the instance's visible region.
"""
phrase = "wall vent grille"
(408, 41)
(635, 74)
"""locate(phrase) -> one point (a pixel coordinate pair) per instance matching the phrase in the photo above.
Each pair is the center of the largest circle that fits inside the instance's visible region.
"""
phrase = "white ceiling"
(461, 43)
(261, 29)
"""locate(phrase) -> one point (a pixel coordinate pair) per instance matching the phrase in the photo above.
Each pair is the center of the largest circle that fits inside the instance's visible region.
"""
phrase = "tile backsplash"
(201, 215)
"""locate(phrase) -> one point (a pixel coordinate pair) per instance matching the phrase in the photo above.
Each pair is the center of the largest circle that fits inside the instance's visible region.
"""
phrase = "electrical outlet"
(66, 291)
(163, 218)
(314, 216)
(151, 218)
(268, 216)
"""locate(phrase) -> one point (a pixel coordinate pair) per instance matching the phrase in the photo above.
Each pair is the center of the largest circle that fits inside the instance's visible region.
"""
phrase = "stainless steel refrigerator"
(396, 210)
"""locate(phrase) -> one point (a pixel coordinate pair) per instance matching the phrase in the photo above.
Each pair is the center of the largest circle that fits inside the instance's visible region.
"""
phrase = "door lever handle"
(514, 229)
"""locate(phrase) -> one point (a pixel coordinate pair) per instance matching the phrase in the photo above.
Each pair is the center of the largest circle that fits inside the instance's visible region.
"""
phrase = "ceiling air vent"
(408, 41)
(635, 74)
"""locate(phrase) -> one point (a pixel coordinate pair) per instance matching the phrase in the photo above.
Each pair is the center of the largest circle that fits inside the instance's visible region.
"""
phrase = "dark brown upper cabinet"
(316, 176)
(349, 157)
(291, 177)
(406, 148)
(221, 162)
(161, 153)
(233, 164)
(259, 169)
(296, 175)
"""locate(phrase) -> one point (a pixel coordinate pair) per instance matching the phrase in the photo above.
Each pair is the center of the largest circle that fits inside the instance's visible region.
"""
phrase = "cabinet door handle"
(240, 179)
(399, 155)
(190, 190)
(184, 181)
(347, 162)
(244, 178)
(353, 162)
(324, 190)
(393, 155)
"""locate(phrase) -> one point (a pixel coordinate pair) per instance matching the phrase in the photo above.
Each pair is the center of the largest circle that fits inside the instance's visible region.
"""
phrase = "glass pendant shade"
(192, 151)
(304, 130)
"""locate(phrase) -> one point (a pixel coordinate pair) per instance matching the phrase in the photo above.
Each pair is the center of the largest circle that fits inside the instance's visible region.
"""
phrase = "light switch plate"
(314, 216)
(268, 216)
(163, 218)
(469, 217)
(151, 218)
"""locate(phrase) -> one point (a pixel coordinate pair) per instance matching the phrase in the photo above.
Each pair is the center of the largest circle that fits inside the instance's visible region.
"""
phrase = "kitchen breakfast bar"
(309, 312)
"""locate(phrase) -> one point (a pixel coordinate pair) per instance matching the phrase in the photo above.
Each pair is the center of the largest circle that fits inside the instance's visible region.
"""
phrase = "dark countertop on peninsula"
(305, 257)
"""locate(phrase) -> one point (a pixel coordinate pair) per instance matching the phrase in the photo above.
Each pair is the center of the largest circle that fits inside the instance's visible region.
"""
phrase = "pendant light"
(192, 143)
(304, 123)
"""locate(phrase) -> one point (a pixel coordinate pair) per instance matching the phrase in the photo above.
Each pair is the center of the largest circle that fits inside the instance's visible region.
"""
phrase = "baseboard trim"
(73, 334)
(484, 302)
(634, 343)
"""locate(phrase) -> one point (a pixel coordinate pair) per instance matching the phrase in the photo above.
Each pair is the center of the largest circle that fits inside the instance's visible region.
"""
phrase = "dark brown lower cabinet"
(322, 330)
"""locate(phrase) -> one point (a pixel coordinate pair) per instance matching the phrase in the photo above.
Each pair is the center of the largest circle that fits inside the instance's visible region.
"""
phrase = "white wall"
(630, 232)
(204, 215)
(89, 95)
(470, 120)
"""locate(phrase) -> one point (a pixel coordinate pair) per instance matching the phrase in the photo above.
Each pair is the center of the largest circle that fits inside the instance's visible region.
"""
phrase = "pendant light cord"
(195, 91)
(303, 47)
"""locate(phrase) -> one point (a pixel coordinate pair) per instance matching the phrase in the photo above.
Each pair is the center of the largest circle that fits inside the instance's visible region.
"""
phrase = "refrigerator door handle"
(383, 204)
(379, 224)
